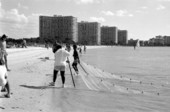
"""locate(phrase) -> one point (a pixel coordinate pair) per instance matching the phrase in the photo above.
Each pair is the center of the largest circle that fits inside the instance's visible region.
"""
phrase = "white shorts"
(5, 53)
(59, 68)
(3, 75)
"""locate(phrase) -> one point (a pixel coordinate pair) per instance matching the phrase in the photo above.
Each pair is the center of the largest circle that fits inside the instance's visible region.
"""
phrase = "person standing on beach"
(84, 48)
(134, 46)
(76, 58)
(3, 48)
(4, 83)
(46, 45)
(80, 50)
(24, 43)
(61, 56)
(68, 48)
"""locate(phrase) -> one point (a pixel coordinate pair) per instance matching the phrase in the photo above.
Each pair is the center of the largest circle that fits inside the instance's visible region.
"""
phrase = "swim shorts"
(59, 68)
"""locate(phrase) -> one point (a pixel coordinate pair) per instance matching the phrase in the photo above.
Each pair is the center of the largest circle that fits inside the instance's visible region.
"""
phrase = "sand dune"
(97, 91)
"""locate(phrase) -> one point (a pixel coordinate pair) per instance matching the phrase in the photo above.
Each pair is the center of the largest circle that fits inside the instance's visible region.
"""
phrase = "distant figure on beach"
(46, 45)
(84, 48)
(80, 50)
(3, 48)
(24, 43)
(60, 56)
(68, 48)
(134, 46)
(76, 59)
(4, 83)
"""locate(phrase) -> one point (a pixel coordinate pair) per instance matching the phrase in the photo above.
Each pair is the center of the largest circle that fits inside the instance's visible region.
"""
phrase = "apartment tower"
(89, 33)
(109, 35)
(59, 27)
(122, 37)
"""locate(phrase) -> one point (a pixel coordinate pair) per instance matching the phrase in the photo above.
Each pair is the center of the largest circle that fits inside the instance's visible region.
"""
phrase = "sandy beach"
(31, 72)
(29, 76)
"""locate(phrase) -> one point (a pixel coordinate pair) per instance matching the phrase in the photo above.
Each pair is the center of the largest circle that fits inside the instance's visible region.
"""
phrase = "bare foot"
(3, 89)
(7, 95)
(8, 70)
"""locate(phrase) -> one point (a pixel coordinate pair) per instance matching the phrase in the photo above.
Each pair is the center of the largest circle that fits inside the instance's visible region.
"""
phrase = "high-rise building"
(59, 27)
(109, 35)
(45, 26)
(122, 37)
(167, 40)
(89, 33)
(159, 40)
(151, 41)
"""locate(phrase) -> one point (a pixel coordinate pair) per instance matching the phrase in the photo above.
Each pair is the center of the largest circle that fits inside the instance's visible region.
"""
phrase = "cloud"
(121, 13)
(22, 7)
(87, 1)
(160, 7)
(34, 19)
(1, 11)
(21, 30)
(17, 25)
(97, 19)
(130, 15)
(108, 13)
(164, 0)
(13, 16)
(168, 26)
(144, 7)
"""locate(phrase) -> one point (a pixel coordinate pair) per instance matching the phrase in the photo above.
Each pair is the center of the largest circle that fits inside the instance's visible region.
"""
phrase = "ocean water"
(144, 63)
(148, 66)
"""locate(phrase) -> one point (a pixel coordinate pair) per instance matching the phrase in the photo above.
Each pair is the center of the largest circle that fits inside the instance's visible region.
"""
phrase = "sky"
(143, 19)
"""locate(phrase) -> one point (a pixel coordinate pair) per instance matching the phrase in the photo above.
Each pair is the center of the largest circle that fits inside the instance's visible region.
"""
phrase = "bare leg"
(75, 67)
(54, 78)
(55, 75)
(3, 89)
(63, 77)
(7, 86)
(6, 64)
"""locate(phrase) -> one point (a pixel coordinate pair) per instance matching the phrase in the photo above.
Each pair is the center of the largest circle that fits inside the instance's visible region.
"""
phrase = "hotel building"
(89, 33)
(109, 35)
(122, 37)
(58, 27)
(167, 40)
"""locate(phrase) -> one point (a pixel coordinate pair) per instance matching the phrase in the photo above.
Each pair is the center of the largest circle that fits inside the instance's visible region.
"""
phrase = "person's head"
(57, 48)
(4, 37)
(68, 47)
(74, 46)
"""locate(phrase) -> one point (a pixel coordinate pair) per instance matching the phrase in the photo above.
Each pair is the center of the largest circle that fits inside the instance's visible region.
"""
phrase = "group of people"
(4, 83)
(61, 55)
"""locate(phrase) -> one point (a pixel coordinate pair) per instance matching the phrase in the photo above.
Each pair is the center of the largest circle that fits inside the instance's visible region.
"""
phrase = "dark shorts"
(76, 61)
